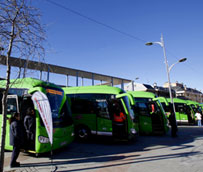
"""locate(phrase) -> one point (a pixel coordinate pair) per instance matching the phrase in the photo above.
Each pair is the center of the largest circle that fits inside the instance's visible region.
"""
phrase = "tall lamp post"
(168, 69)
(133, 83)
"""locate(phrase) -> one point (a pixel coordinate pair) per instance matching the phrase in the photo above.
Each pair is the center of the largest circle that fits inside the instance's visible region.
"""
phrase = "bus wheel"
(82, 133)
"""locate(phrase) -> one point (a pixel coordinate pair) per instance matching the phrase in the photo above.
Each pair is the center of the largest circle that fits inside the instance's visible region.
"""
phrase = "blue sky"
(76, 42)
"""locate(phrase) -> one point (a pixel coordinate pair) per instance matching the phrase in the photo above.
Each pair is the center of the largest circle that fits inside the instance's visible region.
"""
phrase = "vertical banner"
(42, 103)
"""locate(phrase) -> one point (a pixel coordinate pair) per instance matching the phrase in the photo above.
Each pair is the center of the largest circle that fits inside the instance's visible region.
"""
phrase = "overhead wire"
(95, 21)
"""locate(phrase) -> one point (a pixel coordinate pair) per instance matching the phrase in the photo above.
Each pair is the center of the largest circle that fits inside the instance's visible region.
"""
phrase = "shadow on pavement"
(103, 150)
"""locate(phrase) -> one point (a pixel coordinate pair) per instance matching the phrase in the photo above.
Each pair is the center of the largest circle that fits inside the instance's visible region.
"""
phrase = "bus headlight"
(133, 131)
(43, 139)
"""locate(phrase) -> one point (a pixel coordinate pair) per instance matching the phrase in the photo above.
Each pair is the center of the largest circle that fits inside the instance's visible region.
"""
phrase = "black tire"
(82, 133)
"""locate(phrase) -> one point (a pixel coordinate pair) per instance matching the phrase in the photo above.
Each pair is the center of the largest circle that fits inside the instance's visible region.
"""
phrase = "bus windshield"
(55, 97)
(161, 106)
(60, 118)
(130, 110)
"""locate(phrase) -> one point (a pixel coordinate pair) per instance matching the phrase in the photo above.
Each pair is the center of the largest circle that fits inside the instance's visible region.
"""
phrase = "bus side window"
(12, 104)
(82, 106)
(181, 109)
(66, 118)
(143, 108)
(25, 104)
(102, 109)
(11, 108)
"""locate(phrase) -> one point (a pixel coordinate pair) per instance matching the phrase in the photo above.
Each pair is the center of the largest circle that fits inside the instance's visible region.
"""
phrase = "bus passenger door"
(157, 117)
(104, 122)
(12, 107)
(188, 110)
(120, 117)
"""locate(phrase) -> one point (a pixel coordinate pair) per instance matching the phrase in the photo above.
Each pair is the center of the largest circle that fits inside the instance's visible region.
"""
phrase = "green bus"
(20, 99)
(151, 115)
(195, 105)
(184, 111)
(93, 109)
(201, 108)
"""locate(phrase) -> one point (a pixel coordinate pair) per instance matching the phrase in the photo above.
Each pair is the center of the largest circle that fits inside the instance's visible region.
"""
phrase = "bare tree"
(21, 35)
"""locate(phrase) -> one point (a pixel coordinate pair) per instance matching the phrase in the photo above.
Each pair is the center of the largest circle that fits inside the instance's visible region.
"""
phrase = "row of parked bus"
(185, 110)
(84, 111)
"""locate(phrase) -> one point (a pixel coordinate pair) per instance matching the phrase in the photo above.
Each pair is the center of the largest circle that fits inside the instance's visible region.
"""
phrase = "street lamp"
(168, 69)
(179, 61)
(137, 78)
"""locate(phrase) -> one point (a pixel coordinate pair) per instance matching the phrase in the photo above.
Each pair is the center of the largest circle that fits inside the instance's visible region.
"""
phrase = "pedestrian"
(119, 122)
(30, 127)
(199, 118)
(152, 108)
(16, 138)
(119, 117)
(173, 123)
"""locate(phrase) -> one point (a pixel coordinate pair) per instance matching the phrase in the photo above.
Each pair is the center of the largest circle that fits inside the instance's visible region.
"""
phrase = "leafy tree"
(21, 35)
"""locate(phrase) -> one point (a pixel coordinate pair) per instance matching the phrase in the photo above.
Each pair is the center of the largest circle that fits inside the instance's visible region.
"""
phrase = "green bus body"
(92, 113)
(150, 121)
(19, 99)
(195, 106)
(184, 111)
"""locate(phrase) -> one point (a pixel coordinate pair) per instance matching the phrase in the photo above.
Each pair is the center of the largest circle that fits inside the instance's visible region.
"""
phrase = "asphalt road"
(149, 153)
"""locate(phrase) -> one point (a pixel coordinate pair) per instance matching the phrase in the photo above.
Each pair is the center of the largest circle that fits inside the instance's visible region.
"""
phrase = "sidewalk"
(147, 154)
(28, 163)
